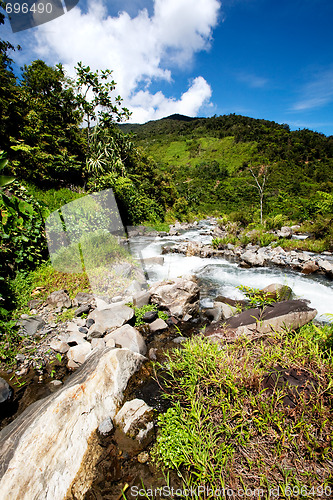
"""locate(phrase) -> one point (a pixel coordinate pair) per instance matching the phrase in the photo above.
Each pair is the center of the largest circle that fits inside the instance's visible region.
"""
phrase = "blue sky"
(269, 59)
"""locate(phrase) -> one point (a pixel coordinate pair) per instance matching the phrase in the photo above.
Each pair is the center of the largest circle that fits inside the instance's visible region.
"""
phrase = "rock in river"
(276, 316)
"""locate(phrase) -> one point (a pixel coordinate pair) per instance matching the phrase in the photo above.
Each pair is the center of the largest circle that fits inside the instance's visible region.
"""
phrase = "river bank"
(189, 305)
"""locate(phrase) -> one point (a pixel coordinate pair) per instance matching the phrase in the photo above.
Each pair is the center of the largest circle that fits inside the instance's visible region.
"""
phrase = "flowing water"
(218, 276)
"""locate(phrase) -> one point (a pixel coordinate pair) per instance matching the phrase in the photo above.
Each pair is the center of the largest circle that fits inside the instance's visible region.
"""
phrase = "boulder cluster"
(256, 256)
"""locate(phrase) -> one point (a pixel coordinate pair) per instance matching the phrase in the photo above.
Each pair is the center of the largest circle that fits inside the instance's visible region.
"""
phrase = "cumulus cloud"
(140, 49)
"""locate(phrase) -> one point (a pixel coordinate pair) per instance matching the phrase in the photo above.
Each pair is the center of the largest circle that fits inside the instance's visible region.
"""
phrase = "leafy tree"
(93, 96)
(49, 146)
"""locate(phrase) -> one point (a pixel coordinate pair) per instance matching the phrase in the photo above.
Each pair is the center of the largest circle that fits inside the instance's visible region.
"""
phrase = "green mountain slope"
(209, 160)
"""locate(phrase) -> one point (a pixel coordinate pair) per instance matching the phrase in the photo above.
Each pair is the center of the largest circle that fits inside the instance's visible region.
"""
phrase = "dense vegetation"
(229, 428)
(210, 160)
(55, 146)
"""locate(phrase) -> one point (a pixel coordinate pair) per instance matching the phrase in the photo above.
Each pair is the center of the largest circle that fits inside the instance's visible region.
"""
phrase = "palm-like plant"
(4, 179)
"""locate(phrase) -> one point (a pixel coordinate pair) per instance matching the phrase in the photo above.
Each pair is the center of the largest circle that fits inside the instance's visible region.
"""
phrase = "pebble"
(143, 457)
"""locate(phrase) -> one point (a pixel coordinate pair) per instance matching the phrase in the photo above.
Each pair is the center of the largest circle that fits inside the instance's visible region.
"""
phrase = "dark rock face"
(150, 316)
(277, 316)
(6, 392)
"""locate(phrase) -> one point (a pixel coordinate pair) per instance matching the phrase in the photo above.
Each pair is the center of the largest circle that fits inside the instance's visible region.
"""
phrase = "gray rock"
(179, 296)
(309, 267)
(253, 259)
(109, 319)
(135, 419)
(20, 358)
(83, 309)
(76, 338)
(278, 316)
(129, 338)
(89, 322)
(106, 427)
(59, 346)
(59, 298)
(326, 266)
(79, 353)
(98, 344)
(31, 325)
(54, 385)
(83, 298)
(277, 291)
(152, 353)
(285, 232)
(51, 439)
(83, 330)
(6, 392)
(158, 325)
(141, 299)
(179, 340)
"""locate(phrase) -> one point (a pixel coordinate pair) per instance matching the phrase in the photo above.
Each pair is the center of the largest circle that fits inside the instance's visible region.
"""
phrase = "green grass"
(141, 311)
(38, 284)
(224, 429)
(193, 151)
(53, 198)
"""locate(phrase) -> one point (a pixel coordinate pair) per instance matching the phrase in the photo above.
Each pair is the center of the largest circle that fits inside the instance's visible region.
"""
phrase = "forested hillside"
(210, 161)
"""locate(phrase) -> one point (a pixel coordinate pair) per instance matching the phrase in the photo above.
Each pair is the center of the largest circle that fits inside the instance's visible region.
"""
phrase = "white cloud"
(317, 92)
(139, 49)
(149, 106)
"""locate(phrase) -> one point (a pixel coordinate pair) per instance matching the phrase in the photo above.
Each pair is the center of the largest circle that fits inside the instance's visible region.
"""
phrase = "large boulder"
(277, 316)
(129, 338)
(43, 450)
(252, 258)
(179, 296)
(109, 319)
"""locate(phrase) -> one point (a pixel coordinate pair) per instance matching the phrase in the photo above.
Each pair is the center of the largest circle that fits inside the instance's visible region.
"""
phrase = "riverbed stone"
(6, 392)
(43, 452)
(158, 325)
(127, 337)
(98, 344)
(76, 338)
(277, 316)
(277, 291)
(253, 259)
(109, 319)
(135, 419)
(106, 427)
(309, 267)
(59, 298)
(79, 353)
(59, 346)
(141, 299)
(150, 316)
(326, 266)
(179, 296)
(83, 309)
(31, 325)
